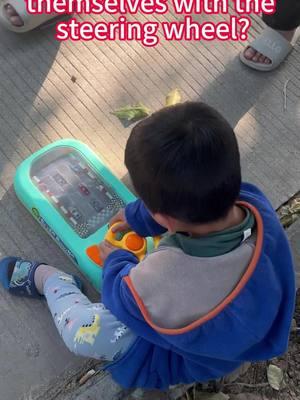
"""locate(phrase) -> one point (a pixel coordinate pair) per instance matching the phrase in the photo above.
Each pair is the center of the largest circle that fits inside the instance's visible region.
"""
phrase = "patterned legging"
(88, 329)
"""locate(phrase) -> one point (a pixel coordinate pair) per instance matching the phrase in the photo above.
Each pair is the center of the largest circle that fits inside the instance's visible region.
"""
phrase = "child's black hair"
(184, 162)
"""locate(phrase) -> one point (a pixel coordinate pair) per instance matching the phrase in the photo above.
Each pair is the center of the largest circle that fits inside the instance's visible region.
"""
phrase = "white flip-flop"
(31, 21)
(272, 45)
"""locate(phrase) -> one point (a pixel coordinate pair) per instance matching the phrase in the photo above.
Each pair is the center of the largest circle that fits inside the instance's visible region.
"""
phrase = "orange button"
(134, 242)
(94, 253)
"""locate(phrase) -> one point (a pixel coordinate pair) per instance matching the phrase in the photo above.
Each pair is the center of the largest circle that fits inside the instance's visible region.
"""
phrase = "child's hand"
(121, 220)
(106, 249)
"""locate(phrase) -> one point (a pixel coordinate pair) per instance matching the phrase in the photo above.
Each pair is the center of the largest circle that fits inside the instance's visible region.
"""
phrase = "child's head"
(184, 162)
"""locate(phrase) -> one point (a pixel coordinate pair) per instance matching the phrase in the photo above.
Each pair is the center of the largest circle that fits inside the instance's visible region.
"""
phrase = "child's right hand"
(120, 220)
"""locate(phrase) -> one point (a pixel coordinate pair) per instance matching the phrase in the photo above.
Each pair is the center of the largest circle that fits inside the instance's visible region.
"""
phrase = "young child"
(219, 290)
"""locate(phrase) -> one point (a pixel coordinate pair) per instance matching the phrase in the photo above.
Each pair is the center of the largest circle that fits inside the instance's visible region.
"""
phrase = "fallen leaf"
(174, 97)
(294, 325)
(288, 220)
(86, 377)
(275, 377)
(137, 394)
(295, 206)
(132, 113)
(284, 210)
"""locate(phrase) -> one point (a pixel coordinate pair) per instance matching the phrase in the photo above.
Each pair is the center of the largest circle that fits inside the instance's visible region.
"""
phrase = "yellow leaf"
(174, 97)
(275, 377)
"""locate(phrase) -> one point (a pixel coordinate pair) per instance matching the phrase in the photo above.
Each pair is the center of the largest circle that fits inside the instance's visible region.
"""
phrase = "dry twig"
(248, 385)
(285, 95)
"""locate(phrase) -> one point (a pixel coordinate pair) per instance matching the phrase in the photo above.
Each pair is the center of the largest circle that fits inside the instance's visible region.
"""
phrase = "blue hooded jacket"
(251, 324)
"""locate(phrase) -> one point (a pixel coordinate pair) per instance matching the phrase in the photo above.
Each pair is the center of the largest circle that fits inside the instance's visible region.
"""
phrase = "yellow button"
(134, 242)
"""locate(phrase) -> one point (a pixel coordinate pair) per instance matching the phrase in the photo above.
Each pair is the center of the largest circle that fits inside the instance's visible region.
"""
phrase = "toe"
(256, 57)
(9, 10)
(13, 16)
(16, 21)
(249, 53)
(262, 59)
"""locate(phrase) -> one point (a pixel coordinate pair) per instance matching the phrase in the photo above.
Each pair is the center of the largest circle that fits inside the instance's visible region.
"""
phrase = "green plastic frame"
(50, 219)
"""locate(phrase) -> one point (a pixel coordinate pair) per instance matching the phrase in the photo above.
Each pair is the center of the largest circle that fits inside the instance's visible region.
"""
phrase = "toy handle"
(111, 236)
(130, 241)
(94, 252)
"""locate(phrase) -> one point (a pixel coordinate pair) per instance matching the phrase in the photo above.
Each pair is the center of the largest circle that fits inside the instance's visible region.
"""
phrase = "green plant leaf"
(174, 97)
(275, 377)
(132, 113)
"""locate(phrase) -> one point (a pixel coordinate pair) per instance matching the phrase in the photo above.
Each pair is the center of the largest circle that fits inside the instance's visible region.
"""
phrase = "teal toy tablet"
(73, 195)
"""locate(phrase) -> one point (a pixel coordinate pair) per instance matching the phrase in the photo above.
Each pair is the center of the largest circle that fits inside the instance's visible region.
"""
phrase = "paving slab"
(50, 91)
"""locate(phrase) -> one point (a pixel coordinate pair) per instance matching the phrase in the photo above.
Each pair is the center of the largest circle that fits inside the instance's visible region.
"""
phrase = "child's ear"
(165, 221)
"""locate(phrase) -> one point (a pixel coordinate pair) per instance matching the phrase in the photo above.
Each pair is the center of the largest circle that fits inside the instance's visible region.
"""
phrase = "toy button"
(134, 242)
(94, 254)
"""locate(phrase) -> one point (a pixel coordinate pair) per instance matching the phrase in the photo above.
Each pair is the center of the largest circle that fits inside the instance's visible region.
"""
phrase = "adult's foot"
(253, 55)
(12, 15)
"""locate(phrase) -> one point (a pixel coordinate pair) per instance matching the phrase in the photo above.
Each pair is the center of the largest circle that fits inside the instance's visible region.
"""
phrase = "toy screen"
(77, 192)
